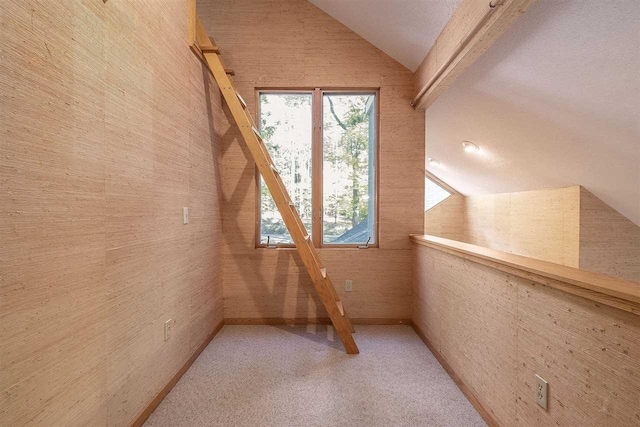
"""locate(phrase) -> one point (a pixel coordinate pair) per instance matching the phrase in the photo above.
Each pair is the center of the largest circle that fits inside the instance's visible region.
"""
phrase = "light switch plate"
(185, 215)
(348, 285)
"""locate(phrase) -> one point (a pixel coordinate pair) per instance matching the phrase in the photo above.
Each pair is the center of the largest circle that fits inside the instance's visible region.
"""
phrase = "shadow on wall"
(217, 153)
(284, 281)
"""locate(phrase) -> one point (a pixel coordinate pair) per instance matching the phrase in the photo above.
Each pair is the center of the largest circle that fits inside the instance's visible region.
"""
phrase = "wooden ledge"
(312, 321)
(619, 293)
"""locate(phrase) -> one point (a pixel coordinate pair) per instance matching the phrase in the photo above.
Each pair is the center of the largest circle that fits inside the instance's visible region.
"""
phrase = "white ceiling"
(555, 102)
(403, 29)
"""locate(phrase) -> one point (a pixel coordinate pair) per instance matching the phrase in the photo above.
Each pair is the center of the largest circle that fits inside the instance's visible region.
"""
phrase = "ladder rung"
(273, 168)
(242, 101)
(229, 71)
(340, 307)
(210, 49)
(257, 132)
(323, 271)
(307, 237)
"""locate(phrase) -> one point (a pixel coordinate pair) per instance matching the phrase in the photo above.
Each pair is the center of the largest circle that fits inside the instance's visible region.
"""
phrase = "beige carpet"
(299, 376)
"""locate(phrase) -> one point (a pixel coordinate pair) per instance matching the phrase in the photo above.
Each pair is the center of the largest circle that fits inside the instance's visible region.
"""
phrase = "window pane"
(434, 194)
(349, 197)
(286, 126)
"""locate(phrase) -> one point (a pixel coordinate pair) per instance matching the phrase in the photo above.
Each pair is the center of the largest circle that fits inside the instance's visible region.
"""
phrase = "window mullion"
(316, 170)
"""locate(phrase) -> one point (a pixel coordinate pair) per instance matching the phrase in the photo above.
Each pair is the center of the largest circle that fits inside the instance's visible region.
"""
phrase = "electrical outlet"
(348, 285)
(167, 329)
(185, 215)
(542, 388)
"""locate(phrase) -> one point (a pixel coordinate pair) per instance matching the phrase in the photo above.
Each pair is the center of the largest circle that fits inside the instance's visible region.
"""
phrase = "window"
(434, 194)
(286, 126)
(324, 144)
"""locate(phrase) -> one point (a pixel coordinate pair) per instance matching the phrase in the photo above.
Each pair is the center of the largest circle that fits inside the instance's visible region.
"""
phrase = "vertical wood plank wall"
(568, 226)
(497, 331)
(288, 44)
(106, 132)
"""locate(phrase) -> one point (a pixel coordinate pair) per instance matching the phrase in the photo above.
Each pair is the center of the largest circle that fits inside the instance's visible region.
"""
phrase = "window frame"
(317, 113)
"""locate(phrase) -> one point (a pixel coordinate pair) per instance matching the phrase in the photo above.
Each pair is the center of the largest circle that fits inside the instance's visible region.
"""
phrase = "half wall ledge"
(611, 291)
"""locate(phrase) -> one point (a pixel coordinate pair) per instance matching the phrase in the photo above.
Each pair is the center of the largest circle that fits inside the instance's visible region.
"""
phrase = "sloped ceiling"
(555, 102)
(403, 29)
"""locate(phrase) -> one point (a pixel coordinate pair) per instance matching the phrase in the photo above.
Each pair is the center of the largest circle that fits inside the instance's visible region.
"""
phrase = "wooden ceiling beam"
(473, 28)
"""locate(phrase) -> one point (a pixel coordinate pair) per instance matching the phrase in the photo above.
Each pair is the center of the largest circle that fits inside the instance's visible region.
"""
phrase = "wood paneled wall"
(289, 44)
(446, 219)
(568, 226)
(497, 331)
(542, 224)
(609, 242)
(109, 127)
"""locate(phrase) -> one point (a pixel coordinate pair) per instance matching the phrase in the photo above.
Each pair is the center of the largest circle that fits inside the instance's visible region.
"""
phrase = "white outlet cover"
(167, 329)
(542, 391)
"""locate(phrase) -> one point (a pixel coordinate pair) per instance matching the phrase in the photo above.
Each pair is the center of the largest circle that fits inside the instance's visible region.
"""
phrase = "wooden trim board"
(485, 413)
(320, 321)
(144, 415)
(618, 293)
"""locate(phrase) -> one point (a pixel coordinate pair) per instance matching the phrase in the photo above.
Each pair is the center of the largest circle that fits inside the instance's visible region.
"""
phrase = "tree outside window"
(347, 167)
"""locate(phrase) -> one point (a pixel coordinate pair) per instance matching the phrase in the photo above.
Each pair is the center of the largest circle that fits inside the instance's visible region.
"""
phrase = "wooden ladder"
(209, 52)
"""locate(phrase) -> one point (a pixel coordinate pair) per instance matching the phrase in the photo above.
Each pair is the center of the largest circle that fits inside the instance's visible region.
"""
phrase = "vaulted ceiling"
(403, 29)
(554, 102)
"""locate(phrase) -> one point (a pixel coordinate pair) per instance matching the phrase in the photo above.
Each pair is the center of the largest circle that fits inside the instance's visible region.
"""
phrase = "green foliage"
(350, 151)
(346, 159)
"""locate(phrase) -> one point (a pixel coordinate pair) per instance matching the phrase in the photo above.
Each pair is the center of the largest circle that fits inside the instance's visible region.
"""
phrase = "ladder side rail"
(289, 214)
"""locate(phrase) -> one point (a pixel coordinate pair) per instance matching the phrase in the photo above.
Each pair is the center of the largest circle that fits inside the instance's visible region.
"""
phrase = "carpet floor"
(301, 376)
